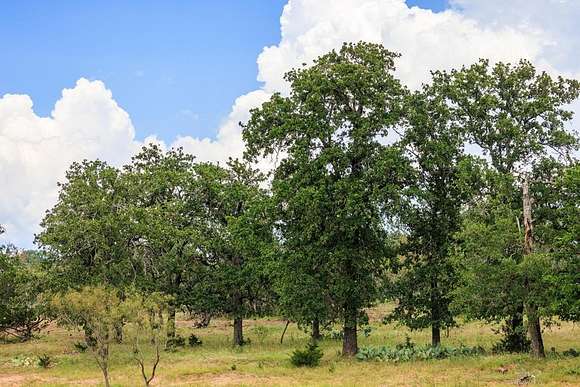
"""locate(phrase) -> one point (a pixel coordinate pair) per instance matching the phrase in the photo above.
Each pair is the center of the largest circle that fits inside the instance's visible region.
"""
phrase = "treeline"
(458, 199)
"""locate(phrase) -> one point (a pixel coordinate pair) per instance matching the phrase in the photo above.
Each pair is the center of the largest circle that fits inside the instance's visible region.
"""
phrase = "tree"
(22, 308)
(236, 245)
(516, 116)
(163, 213)
(561, 200)
(97, 310)
(145, 313)
(445, 179)
(85, 233)
(337, 180)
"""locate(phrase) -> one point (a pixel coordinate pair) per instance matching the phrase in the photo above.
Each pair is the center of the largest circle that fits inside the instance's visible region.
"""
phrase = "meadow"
(266, 362)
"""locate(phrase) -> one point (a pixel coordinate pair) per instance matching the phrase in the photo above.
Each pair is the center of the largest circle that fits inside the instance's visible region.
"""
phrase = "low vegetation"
(268, 363)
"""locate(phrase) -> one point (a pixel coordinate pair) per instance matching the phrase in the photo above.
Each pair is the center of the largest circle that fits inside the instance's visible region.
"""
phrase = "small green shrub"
(194, 341)
(366, 330)
(573, 371)
(44, 361)
(80, 346)
(309, 357)
(571, 353)
(512, 341)
(407, 344)
(174, 343)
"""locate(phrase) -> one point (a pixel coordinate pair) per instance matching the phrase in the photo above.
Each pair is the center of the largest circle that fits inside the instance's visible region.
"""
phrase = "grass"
(266, 362)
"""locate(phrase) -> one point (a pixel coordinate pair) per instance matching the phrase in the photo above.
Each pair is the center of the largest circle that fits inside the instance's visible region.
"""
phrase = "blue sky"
(175, 66)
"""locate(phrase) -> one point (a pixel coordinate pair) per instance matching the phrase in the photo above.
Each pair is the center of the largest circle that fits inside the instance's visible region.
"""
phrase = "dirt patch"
(13, 380)
(235, 379)
(25, 380)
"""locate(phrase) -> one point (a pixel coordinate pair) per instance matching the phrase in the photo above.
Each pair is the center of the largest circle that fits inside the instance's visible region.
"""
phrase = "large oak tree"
(337, 179)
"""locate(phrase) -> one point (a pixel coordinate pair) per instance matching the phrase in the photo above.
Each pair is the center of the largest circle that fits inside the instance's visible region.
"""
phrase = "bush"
(175, 342)
(80, 346)
(512, 341)
(366, 330)
(309, 357)
(194, 341)
(410, 352)
(44, 361)
(22, 309)
(571, 353)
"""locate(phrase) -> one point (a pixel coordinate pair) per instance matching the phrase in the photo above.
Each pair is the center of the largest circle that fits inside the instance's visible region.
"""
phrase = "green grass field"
(266, 362)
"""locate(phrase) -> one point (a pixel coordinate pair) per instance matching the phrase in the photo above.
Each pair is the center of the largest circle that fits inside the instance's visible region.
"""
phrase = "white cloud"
(426, 40)
(87, 123)
(228, 141)
(36, 151)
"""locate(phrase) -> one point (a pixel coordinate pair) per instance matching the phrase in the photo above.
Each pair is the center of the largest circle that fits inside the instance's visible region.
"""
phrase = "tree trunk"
(106, 376)
(534, 328)
(171, 321)
(101, 352)
(284, 331)
(237, 307)
(435, 315)
(535, 332)
(119, 333)
(238, 331)
(435, 336)
(316, 330)
(349, 340)
(528, 223)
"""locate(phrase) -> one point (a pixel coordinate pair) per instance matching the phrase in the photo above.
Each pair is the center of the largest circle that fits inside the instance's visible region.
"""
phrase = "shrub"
(309, 357)
(571, 353)
(80, 346)
(194, 341)
(512, 341)
(366, 330)
(22, 309)
(44, 361)
(410, 352)
(175, 342)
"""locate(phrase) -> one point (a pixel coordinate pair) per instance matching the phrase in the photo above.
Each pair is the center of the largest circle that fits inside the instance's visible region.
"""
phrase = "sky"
(188, 59)
(101, 79)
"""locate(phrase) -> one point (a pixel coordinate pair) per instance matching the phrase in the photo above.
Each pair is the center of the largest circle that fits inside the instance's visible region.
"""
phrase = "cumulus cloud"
(36, 151)
(228, 142)
(87, 123)
(426, 40)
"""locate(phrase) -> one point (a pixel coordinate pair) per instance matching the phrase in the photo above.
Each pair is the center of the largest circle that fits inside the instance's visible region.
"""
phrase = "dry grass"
(265, 360)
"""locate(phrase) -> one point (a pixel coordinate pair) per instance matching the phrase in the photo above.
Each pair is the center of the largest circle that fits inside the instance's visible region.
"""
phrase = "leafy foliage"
(23, 310)
(194, 341)
(309, 357)
(336, 184)
(411, 353)
(44, 361)
(444, 180)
